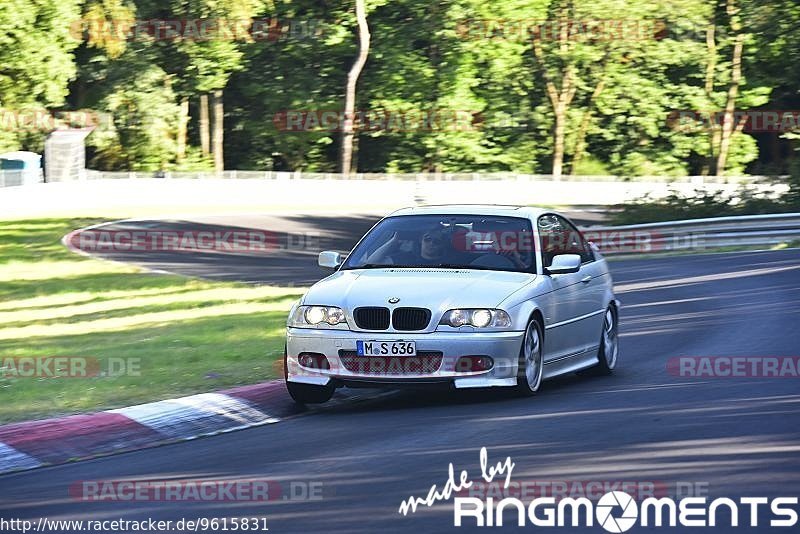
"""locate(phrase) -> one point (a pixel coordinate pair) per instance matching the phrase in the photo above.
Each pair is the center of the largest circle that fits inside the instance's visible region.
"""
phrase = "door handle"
(586, 279)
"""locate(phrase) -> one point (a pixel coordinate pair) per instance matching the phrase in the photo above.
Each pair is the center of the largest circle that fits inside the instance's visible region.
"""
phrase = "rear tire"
(608, 352)
(531, 362)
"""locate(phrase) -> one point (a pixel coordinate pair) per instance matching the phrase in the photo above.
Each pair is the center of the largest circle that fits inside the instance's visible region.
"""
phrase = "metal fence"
(697, 234)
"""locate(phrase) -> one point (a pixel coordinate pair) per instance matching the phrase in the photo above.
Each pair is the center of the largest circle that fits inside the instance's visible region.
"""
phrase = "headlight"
(305, 316)
(457, 317)
(479, 318)
(315, 314)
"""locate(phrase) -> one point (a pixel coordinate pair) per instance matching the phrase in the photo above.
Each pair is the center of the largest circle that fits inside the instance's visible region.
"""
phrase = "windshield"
(447, 241)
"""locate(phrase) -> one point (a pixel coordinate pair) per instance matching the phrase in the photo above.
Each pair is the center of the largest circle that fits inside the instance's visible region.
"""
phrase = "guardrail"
(696, 234)
(172, 196)
(416, 177)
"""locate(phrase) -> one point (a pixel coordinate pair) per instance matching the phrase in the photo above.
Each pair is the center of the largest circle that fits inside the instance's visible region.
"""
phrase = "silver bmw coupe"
(462, 295)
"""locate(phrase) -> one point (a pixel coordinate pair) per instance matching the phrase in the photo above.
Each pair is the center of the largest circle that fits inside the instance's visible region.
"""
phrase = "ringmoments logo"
(615, 511)
(605, 508)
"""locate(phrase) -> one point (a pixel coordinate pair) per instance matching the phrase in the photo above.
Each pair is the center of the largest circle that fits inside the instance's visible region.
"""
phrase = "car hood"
(440, 289)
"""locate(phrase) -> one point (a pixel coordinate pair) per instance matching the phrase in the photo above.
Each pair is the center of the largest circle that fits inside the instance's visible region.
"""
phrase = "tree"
(37, 40)
(720, 135)
(203, 64)
(142, 135)
(519, 85)
(576, 51)
(776, 44)
(352, 80)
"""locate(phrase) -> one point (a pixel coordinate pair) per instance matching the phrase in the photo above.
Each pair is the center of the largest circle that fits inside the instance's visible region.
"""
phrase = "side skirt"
(571, 362)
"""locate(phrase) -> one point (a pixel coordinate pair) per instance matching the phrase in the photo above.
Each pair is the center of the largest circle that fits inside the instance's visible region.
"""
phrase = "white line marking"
(11, 459)
(197, 415)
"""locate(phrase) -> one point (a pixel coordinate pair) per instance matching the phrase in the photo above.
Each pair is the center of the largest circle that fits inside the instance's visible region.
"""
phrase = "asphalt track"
(733, 437)
(293, 244)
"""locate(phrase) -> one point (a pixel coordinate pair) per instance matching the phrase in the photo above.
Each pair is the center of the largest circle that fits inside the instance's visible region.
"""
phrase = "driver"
(432, 250)
(433, 245)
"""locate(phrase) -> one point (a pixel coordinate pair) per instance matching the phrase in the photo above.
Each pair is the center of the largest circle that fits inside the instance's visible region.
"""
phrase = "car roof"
(472, 209)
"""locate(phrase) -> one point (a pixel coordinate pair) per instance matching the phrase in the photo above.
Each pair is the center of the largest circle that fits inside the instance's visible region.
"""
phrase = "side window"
(576, 244)
(559, 236)
(550, 233)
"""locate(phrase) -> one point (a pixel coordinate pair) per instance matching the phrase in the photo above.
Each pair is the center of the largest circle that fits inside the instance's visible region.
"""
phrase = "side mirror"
(565, 264)
(329, 259)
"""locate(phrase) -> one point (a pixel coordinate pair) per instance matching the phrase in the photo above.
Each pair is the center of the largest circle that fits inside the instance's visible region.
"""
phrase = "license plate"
(386, 348)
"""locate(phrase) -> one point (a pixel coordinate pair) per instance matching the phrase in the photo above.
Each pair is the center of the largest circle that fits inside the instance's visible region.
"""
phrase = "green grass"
(187, 335)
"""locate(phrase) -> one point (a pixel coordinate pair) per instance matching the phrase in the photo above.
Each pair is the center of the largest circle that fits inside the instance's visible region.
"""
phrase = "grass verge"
(145, 336)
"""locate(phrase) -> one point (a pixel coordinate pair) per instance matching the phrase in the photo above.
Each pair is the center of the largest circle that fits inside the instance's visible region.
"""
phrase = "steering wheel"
(492, 261)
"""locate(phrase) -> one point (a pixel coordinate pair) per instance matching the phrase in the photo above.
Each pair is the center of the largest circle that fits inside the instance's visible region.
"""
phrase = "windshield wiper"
(425, 266)
(457, 266)
(376, 266)
(407, 266)
(450, 266)
(368, 266)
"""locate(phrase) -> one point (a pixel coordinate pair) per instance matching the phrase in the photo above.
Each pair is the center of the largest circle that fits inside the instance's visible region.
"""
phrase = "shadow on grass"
(90, 283)
(38, 238)
(134, 310)
(160, 362)
(81, 298)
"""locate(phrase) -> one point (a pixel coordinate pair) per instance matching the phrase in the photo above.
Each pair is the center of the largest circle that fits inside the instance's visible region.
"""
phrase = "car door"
(564, 300)
(590, 290)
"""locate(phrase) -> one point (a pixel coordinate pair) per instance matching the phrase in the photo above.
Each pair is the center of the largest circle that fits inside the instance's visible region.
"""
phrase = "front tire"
(305, 393)
(531, 363)
(309, 394)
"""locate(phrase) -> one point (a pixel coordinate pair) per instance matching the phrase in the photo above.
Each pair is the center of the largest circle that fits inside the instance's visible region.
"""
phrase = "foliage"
(470, 63)
(142, 105)
(701, 204)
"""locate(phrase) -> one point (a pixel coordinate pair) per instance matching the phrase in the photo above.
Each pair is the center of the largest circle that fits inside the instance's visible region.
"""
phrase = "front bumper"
(502, 347)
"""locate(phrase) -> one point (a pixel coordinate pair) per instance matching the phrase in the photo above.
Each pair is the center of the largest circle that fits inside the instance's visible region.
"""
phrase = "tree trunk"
(559, 132)
(205, 144)
(580, 141)
(218, 133)
(713, 133)
(560, 98)
(728, 126)
(721, 135)
(183, 120)
(350, 94)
